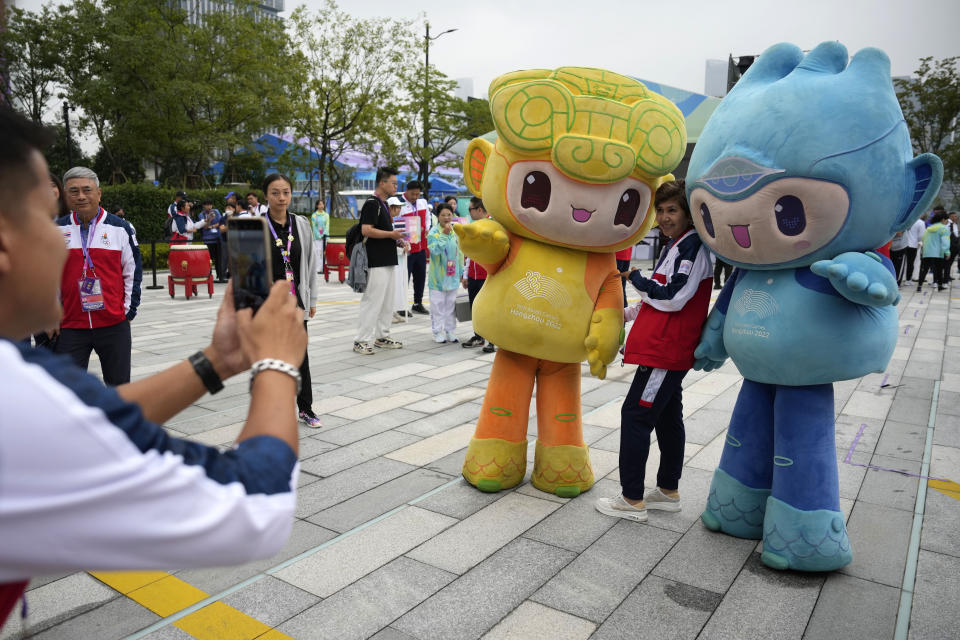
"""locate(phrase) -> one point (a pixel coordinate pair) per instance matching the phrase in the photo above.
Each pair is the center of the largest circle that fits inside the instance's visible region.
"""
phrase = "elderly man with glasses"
(100, 286)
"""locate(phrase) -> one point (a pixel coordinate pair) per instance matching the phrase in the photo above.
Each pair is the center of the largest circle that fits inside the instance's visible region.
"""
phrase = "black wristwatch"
(204, 369)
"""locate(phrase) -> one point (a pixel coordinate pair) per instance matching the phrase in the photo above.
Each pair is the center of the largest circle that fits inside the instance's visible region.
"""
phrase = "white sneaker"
(451, 337)
(620, 508)
(363, 348)
(397, 319)
(656, 499)
(438, 338)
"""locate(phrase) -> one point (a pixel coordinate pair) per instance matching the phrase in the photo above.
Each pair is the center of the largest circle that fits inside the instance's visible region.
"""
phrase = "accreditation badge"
(91, 295)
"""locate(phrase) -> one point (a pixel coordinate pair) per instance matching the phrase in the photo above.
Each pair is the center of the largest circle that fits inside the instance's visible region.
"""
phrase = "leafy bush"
(146, 206)
(163, 252)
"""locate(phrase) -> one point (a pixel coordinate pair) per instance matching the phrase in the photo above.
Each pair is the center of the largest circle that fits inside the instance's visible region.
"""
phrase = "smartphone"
(251, 267)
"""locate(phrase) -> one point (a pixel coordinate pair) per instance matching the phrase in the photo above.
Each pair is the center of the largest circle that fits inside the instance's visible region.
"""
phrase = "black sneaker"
(419, 308)
(489, 348)
(475, 341)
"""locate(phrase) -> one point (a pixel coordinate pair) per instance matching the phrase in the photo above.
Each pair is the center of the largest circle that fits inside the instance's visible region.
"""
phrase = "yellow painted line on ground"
(165, 595)
(946, 487)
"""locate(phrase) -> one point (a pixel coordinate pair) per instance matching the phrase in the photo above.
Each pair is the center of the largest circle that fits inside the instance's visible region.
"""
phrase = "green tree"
(930, 101)
(157, 83)
(29, 51)
(431, 120)
(346, 92)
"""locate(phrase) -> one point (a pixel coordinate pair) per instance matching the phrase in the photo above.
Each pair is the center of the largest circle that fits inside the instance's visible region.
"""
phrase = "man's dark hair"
(385, 173)
(182, 205)
(206, 201)
(477, 203)
(413, 184)
(939, 216)
(251, 193)
(20, 138)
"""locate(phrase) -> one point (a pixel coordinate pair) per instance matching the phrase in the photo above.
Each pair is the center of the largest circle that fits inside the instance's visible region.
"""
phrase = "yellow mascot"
(569, 181)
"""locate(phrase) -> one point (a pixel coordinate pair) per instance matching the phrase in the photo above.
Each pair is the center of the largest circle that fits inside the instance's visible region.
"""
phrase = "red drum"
(337, 258)
(191, 260)
(189, 266)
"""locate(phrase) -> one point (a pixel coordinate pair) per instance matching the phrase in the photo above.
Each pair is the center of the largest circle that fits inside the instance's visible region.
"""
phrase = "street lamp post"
(425, 168)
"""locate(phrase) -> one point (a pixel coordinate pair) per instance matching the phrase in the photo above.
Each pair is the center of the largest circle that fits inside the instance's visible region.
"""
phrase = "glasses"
(472, 208)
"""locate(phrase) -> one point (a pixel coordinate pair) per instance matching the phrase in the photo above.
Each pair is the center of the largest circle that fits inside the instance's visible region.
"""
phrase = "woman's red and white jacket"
(675, 301)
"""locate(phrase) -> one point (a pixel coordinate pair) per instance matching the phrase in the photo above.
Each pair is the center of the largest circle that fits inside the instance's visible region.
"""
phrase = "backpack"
(354, 236)
(168, 229)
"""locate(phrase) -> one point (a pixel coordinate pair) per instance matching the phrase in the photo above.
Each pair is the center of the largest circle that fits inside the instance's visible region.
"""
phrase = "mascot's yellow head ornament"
(579, 154)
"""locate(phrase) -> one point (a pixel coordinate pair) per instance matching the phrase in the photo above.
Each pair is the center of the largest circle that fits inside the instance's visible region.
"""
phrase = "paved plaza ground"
(391, 543)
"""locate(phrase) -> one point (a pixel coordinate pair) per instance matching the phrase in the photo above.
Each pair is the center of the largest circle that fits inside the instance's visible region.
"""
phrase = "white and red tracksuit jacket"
(116, 261)
(420, 210)
(675, 301)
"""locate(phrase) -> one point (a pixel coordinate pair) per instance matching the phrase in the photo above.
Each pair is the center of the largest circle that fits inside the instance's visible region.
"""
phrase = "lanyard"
(84, 241)
(284, 252)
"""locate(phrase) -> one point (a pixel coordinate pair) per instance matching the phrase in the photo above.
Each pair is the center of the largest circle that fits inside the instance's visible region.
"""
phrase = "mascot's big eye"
(536, 191)
(627, 209)
(707, 220)
(790, 217)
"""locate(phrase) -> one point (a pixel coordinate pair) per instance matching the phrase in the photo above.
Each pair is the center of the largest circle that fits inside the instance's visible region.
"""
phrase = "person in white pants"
(444, 273)
(400, 313)
(380, 240)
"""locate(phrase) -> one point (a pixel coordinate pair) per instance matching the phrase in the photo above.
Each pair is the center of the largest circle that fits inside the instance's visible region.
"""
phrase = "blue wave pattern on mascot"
(804, 169)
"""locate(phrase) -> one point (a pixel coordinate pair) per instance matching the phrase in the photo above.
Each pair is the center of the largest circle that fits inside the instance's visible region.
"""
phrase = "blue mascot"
(803, 170)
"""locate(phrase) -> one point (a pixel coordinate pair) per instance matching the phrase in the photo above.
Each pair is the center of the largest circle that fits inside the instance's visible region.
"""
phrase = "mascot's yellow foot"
(564, 470)
(492, 464)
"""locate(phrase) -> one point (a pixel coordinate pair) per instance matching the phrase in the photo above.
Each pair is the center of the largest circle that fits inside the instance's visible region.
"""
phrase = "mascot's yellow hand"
(484, 240)
(603, 340)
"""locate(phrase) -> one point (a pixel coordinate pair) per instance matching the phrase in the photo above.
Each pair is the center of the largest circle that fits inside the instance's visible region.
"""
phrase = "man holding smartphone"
(380, 239)
(90, 480)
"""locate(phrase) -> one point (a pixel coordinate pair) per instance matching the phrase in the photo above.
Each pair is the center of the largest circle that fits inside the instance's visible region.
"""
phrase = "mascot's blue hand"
(710, 353)
(861, 278)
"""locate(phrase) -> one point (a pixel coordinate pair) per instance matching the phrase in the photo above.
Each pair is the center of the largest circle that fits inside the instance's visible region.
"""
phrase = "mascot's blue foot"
(734, 508)
(804, 540)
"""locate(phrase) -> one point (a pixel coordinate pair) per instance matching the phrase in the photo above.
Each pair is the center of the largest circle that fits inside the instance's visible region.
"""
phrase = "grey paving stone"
(935, 613)
(705, 559)
(115, 619)
(940, 518)
(313, 446)
(849, 607)
(847, 427)
(577, 524)
(39, 581)
(207, 420)
(389, 633)
(486, 594)
(610, 442)
(460, 500)
(851, 475)
(878, 536)
(59, 601)
(946, 430)
(472, 540)
(451, 464)
(379, 500)
(371, 426)
(440, 422)
(659, 609)
(532, 620)
(764, 604)
(915, 388)
(594, 584)
(889, 489)
(168, 633)
(949, 403)
(605, 393)
(920, 369)
(369, 391)
(327, 464)
(901, 440)
(271, 601)
(705, 424)
(305, 535)
(694, 489)
(369, 604)
(330, 491)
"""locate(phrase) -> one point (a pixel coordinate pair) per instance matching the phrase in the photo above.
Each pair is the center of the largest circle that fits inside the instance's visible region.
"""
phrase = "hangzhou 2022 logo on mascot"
(803, 171)
(570, 180)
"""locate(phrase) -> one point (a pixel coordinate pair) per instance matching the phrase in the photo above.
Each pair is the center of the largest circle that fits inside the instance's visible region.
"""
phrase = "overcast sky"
(666, 42)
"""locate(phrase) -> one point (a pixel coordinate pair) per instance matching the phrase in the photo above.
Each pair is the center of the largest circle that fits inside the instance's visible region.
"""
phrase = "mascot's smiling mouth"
(581, 215)
(741, 234)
